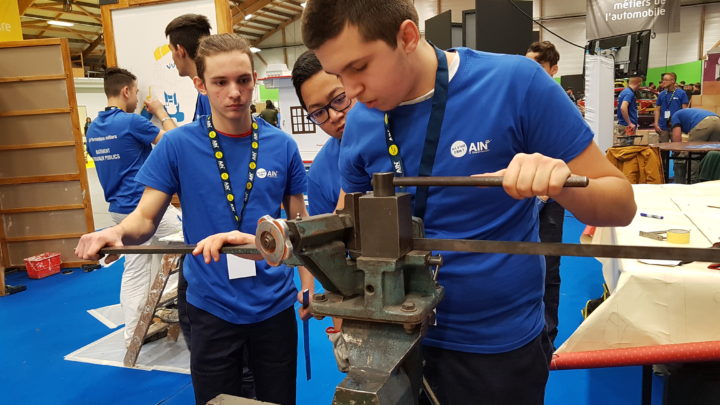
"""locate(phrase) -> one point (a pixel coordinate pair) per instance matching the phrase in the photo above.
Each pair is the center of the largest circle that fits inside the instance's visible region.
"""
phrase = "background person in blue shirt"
(490, 340)
(701, 126)
(323, 97)
(669, 101)
(184, 34)
(627, 114)
(120, 142)
(232, 303)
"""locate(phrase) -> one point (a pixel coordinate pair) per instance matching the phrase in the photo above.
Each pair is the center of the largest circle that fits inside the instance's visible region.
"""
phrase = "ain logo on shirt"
(459, 148)
(262, 173)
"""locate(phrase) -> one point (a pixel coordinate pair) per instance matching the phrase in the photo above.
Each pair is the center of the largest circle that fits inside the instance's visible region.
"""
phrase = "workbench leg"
(647, 375)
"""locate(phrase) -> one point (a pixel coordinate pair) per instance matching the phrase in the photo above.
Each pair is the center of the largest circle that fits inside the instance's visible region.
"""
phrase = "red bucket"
(43, 265)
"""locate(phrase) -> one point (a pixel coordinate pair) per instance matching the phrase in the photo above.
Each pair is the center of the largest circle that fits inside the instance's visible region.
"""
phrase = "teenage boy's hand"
(210, 246)
(90, 244)
(156, 108)
(533, 175)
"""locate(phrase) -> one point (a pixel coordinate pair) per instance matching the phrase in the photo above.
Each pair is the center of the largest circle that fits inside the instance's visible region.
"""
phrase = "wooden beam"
(258, 22)
(251, 6)
(280, 13)
(249, 34)
(285, 6)
(284, 42)
(23, 5)
(92, 46)
(60, 10)
(261, 59)
(45, 18)
(281, 26)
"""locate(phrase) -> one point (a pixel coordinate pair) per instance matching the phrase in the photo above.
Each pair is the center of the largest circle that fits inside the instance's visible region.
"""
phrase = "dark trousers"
(552, 216)
(517, 377)
(218, 349)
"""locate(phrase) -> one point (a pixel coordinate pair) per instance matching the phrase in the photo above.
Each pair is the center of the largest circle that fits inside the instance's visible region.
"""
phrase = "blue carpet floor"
(49, 320)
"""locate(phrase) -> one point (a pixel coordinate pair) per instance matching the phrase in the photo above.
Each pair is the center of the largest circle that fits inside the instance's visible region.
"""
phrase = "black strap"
(112, 107)
(224, 172)
(432, 136)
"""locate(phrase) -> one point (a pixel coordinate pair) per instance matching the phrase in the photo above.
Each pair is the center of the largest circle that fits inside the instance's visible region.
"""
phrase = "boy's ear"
(200, 85)
(554, 70)
(408, 36)
(125, 92)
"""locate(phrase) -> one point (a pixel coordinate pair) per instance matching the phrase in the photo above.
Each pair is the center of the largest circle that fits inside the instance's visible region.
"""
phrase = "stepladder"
(149, 327)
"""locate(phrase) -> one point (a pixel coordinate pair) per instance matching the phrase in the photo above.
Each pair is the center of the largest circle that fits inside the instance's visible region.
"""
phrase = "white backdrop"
(141, 47)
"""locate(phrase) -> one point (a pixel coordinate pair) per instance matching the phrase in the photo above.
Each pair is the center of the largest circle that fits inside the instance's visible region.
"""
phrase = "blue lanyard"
(432, 135)
(224, 171)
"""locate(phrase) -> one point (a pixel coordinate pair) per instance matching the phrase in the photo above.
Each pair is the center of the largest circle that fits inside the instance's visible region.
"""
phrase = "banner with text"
(10, 29)
(607, 18)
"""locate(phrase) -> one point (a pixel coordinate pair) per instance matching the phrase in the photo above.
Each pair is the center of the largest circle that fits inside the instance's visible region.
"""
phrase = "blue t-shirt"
(688, 118)
(183, 163)
(627, 95)
(324, 179)
(670, 101)
(119, 143)
(493, 302)
(202, 106)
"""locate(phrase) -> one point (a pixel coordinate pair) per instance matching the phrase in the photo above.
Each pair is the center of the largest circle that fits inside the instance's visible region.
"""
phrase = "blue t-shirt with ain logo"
(183, 163)
(493, 302)
(324, 179)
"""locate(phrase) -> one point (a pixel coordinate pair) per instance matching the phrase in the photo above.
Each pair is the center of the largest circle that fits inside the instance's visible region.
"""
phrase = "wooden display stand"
(44, 194)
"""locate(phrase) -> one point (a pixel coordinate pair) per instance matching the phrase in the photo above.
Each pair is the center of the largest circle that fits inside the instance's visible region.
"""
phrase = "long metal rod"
(456, 181)
(485, 246)
(249, 249)
(569, 249)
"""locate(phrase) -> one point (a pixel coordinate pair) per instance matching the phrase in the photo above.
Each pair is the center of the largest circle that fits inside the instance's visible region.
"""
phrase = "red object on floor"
(43, 265)
(636, 356)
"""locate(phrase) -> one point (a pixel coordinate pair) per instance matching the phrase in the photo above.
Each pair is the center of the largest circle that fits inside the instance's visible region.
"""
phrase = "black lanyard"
(224, 171)
(112, 107)
(669, 100)
(432, 136)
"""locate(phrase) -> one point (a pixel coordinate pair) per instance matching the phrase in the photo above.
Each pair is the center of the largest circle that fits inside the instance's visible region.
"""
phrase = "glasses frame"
(327, 109)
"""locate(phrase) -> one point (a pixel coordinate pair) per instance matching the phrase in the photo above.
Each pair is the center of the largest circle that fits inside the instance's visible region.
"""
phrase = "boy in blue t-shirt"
(228, 171)
(490, 332)
(323, 97)
(669, 101)
(627, 114)
(184, 34)
(119, 143)
(701, 126)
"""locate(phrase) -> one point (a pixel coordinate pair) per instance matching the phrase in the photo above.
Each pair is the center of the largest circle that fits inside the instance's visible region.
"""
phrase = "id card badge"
(667, 115)
(239, 267)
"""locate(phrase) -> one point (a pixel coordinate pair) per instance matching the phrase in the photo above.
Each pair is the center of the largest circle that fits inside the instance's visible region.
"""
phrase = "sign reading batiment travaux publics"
(607, 18)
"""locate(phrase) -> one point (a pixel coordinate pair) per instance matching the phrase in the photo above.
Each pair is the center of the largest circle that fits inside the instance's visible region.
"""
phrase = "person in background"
(652, 86)
(552, 214)
(627, 114)
(232, 302)
(88, 121)
(253, 111)
(697, 89)
(184, 34)
(700, 126)
(669, 101)
(270, 113)
(120, 142)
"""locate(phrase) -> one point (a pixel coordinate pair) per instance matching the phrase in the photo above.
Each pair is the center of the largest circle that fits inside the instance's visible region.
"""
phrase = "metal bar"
(455, 181)
(568, 249)
(248, 249)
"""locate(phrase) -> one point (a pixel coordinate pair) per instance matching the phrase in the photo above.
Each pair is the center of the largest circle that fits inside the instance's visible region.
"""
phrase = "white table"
(652, 304)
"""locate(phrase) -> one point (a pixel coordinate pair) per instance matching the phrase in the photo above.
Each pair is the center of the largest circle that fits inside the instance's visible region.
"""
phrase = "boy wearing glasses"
(490, 340)
(323, 96)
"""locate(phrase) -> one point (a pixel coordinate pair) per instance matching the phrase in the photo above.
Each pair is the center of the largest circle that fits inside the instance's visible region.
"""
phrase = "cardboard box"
(696, 100)
(710, 100)
(710, 88)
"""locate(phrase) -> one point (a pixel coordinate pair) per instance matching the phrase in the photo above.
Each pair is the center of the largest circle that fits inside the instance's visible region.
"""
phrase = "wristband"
(165, 119)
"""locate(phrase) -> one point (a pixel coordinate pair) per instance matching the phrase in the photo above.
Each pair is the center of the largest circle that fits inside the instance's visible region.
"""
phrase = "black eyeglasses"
(340, 103)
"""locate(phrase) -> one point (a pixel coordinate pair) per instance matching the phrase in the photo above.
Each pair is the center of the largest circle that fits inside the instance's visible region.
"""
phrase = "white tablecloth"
(652, 304)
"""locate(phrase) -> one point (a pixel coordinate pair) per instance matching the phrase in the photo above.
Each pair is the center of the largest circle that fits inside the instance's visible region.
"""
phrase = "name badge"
(667, 115)
(240, 268)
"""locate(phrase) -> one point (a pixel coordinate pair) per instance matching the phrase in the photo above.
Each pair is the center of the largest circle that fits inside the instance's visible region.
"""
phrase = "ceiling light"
(60, 23)
(249, 16)
(255, 50)
(303, 4)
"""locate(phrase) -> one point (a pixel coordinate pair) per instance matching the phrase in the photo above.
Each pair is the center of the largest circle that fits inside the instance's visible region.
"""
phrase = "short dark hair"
(187, 30)
(324, 20)
(673, 74)
(306, 66)
(546, 52)
(117, 78)
(269, 104)
(220, 43)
